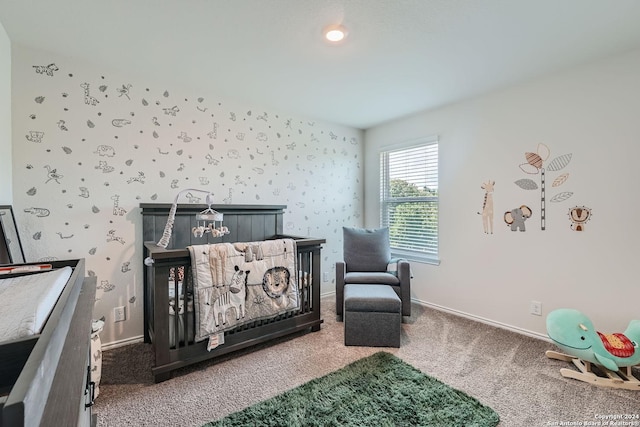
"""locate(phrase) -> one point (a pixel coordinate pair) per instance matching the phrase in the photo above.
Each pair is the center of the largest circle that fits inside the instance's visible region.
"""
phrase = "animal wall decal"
(487, 207)
(104, 166)
(579, 215)
(171, 111)
(106, 286)
(140, 178)
(124, 90)
(120, 122)
(214, 133)
(52, 174)
(35, 136)
(534, 166)
(105, 151)
(38, 212)
(243, 149)
(516, 217)
(117, 209)
(227, 200)
(184, 137)
(111, 237)
(88, 99)
(211, 160)
(46, 70)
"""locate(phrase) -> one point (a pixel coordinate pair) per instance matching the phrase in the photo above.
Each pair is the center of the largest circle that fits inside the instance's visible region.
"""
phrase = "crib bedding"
(26, 302)
(185, 311)
(237, 283)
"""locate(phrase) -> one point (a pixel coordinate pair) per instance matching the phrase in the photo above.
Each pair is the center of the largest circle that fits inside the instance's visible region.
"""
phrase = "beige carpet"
(507, 371)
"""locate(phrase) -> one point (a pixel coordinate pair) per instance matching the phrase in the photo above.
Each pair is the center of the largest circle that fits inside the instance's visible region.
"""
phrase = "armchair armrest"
(404, 275)
(341, 269)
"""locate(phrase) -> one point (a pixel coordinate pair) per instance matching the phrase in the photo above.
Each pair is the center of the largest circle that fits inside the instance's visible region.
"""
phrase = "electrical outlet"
(325, 276)
(536, 308)
(119, 314)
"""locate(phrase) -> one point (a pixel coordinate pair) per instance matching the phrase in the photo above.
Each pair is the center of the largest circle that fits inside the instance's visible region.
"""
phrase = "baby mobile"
(536, 165)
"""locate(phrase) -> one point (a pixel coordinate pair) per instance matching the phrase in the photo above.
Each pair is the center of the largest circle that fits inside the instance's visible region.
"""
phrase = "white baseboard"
(122, 343)
(490, 322)
(480, 319)
(328, 294)
(133, 340)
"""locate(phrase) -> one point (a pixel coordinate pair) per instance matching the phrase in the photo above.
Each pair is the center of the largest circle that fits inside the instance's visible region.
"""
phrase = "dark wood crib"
(168, 310)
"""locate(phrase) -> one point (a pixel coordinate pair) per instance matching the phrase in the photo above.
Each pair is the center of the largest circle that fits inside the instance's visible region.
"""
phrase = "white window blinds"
(409, 199)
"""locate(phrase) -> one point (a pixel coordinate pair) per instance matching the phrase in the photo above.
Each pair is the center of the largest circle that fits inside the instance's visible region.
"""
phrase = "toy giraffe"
(487, 207)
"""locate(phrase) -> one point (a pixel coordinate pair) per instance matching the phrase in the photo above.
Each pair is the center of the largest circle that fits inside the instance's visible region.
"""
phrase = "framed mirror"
(10, 246)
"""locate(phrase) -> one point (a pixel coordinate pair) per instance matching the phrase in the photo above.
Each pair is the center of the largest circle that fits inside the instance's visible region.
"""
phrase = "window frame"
(428, 257)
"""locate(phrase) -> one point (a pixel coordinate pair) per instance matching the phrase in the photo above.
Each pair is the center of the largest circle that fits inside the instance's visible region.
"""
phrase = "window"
(409, 199)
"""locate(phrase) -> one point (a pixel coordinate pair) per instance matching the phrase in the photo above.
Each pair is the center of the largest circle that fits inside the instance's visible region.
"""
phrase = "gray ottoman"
(371, 316)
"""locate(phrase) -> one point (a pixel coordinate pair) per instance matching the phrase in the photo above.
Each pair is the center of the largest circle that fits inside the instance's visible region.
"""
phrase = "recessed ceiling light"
(335, 33)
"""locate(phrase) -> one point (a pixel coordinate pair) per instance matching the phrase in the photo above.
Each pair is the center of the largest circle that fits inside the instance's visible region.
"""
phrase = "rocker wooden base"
(623, 379)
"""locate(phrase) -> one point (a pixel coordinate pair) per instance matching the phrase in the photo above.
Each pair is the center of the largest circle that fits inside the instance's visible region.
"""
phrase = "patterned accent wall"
(90, 146)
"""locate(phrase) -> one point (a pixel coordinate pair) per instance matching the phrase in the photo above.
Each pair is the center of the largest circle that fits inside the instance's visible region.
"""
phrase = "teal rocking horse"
(614, 355)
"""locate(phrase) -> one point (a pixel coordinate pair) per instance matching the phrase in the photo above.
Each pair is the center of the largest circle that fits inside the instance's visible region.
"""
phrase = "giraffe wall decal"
(88, 99)
(117, 210)
(487, 207)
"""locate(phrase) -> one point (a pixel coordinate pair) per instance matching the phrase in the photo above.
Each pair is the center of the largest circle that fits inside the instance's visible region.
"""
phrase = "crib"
(169, 315)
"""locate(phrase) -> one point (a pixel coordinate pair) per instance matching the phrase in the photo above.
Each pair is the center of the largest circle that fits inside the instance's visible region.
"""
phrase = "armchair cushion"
(366, 249)
(372, 278)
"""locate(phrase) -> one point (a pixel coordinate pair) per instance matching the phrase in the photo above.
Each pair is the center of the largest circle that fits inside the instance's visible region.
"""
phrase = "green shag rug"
(379, 390)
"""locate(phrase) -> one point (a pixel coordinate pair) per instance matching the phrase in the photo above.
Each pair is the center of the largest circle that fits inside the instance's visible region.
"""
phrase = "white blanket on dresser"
(26, 302)
(238, 283)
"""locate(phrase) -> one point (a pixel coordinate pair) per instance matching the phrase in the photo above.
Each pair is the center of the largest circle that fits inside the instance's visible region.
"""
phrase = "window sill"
(421, 260)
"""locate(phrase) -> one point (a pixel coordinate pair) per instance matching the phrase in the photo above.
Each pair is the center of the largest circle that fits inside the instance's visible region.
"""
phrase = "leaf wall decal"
(526, 184)
(527, 168)
(543, 151)
(559, 162)
(561, 197)
(534, 160)
(560, 180)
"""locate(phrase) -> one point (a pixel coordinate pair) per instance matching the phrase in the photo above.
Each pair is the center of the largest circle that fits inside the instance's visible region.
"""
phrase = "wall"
(6, 196)
(591, 113)
(90, 145)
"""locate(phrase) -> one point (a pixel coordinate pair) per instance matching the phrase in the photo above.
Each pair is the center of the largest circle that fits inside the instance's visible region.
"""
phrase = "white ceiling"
(401, 56)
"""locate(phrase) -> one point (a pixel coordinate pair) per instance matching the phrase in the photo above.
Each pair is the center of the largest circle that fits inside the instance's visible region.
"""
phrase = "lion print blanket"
(238, 283)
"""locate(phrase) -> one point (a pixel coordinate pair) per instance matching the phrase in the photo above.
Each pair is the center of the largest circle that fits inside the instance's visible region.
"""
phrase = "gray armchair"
(367, 254)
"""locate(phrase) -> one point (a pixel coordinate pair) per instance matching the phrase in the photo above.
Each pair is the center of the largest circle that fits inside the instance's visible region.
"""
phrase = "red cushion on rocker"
(617, 344)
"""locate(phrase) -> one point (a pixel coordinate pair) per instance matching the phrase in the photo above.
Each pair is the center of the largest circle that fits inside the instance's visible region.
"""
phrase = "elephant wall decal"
(516, 217)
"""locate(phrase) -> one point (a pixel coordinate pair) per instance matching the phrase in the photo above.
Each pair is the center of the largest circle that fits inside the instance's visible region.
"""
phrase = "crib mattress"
(27, 301)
